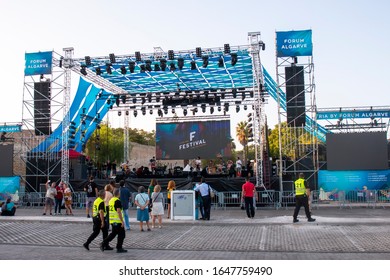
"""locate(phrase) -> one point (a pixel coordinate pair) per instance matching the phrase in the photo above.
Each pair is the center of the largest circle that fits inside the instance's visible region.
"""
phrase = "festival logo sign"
(38, 63)
(11, 128)
(294, 43)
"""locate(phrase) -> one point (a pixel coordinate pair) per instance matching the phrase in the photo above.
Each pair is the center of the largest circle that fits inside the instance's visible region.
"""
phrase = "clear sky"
(350, 39)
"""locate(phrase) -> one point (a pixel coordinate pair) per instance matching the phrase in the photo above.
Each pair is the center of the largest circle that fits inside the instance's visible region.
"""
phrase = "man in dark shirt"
(92, 193)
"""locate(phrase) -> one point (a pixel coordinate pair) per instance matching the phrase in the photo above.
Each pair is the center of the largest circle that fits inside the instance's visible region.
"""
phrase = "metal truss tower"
(258, 106)
(126, 144)
(67, 64)
(298, 145)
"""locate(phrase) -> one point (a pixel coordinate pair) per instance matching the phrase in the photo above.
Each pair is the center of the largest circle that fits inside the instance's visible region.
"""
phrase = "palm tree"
(242, 136)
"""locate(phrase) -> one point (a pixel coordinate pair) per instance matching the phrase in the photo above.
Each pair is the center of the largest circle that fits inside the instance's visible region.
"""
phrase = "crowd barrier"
(267, 198)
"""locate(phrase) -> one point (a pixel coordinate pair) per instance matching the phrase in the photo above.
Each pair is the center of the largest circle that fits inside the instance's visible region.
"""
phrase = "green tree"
(242, 136)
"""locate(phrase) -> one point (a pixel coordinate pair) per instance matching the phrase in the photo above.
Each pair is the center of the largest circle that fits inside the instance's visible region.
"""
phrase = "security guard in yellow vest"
(301, 198)
(117, 223)
(98, 214)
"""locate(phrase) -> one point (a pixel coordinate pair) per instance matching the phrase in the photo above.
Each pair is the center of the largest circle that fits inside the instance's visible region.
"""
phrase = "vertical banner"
(294, 43)
(38, 63)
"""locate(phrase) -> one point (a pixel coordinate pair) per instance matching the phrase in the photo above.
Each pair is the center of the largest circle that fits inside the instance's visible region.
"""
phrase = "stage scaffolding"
(298, 144)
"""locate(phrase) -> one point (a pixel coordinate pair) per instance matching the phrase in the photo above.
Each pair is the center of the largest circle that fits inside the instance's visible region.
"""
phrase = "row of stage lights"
(162, 65)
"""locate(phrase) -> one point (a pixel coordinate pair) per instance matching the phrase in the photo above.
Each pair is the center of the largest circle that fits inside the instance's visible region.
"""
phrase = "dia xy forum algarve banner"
(188, 140)
(38, 63)
(294, 43)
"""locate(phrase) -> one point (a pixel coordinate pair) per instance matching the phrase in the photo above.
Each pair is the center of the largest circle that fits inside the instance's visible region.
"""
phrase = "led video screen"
(357, 151)
(188, 140)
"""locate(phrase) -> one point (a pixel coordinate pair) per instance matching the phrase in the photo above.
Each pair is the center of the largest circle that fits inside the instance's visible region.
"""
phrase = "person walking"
(68, 200)
(49, 197)
(108, 195)
(301, 198)
(158, 206)
(92, 193)
(248, 193)
(142, 202)
(98, 218)
(117, 224)
(205, 192)
(171, 187)
(125, 199)
(58, 198)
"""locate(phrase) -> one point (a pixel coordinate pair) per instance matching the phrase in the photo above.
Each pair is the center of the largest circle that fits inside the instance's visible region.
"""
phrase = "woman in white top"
(49, 197)
(158, 206)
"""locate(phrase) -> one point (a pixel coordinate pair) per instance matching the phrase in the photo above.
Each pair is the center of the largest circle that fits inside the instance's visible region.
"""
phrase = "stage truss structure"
(214, 79)
(298, 147)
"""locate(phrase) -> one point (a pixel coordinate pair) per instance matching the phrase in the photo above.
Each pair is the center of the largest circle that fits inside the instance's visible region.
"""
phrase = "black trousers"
(206, 206)
(301, 200)
(96, 230)
(117, 229)
(249, 207)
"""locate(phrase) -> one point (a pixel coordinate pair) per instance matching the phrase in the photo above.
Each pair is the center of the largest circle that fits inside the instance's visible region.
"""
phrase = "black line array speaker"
(295, 96)
(42, 110)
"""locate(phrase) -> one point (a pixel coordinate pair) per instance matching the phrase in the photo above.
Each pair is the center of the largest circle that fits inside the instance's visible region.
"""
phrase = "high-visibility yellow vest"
(300, 188)
(95, 210)
(114, 216)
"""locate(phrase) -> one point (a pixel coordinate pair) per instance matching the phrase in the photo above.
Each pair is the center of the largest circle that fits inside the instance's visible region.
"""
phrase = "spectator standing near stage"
(49, 197)
(205, 192)
(92, 192)
(171, 187)
(152, 163)
(238, 166)
(113, 168)
(158, 206)
(58, 199)
(68, 200)
(302, 193)
(125, 199)
(198, 164)
(142, 202)
(248, 193)
(98, 219)
(117, 224)
(108, 195)
(152, 184)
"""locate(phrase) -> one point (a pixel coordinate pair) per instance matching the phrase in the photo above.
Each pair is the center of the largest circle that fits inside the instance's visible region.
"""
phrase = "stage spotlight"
(205, 61)
(149, 97)
(226, 105)
(112, 58)
(165, 111)
(119, 113)
(157, 97)
(157, 67)
(193, 65)
(222, 95)
(131, 66)
(180, 63)
(134, 100)
(143, 110)
(226, 48)
(135, 113)
(117, 101)
(137, 56)
(203, 106)
(151, 111)
(127, 113)
(219, 108)
(245, 107)
(108, 101)
(172, 67)
(163, 64)
(243, 96)
(173, 110)
(148, 65)
(108, 69)
(211, 110)
(220, 62)
(88, 61)
(83, 70)
(143, 68)
(143, 100)
(185, 112)
(159, 113)
(98, 71)
(234, 92)
(234, 59)
(237, 108)
(251, 94)
(198, 52)
(123, 70)
(123, 98)
(171, 55)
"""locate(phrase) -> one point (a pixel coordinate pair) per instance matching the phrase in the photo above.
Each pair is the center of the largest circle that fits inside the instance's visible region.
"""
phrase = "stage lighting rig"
(148, 65)
(163, 64)
(119, 113)
(112, 58)
(143, 68)
(193, 65)
(234, 92)
(131, 66)
(123, 98)
(171, 55)
(198, 52)
(180, 63)
(220, 62)
(234, 59)
(117, 101)
(108, 68)
(226, 48)
(98, 71)
(83, 70)
(205, 61)
(157, 67)
(88, 61)
(135, 113)
(172, 67)
(123, 70)
(185, 112)
(138, 56)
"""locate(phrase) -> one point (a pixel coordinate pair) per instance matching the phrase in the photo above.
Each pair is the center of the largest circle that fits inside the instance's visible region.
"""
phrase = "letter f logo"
(192, 135)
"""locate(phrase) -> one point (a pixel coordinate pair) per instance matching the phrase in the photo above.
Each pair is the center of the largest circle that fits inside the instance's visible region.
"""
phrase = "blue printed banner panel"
(294, 43)
(11, 128)
(38, 63)
(353, 114)
(333, 181)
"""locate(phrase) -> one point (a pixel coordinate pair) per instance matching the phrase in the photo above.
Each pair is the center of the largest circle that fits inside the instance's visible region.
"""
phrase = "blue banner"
(294, 43)
(9, 185)
(353, 180)
(38, 63)
(11, 128)
(353, 114)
